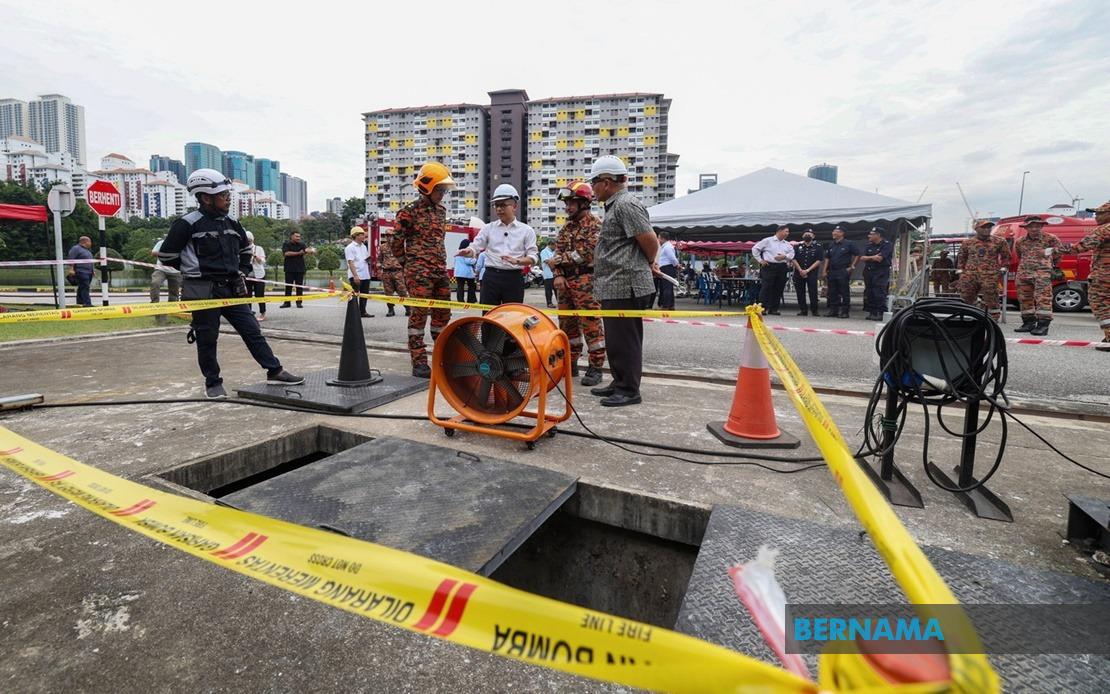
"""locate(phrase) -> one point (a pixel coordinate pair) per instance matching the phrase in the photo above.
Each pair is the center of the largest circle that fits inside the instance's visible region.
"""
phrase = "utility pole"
(1021, 198)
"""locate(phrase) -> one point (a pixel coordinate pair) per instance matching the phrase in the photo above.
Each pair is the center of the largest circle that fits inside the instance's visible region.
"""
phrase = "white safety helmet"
(207, 181)
(250, 237)
(607, 165)
(505, 192)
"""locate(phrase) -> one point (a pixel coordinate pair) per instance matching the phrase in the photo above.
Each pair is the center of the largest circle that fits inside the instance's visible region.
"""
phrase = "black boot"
(592, 377)
(407, 311)
(1027, 324)
(389, 311)
(1041, 328)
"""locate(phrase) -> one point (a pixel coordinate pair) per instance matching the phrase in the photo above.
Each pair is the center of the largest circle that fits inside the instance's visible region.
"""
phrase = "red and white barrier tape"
(674, 321)
(869, 333)
(97, 261)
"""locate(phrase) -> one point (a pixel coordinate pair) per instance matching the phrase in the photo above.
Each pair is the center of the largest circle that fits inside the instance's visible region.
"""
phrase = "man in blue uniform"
(808, 258)
(840, 262)
(877, 255)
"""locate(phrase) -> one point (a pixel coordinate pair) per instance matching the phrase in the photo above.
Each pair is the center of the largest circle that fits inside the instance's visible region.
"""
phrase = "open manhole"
(528, 527)
(239, 468)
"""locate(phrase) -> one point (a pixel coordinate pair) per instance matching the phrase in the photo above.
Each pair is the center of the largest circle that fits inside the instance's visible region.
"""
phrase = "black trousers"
(624, 343)
(467, 284)
(294, 278)
(258, 290)
(84, 297)
(876, 283)
(804, 285)
(772, 280)
(664, 289)
(363, 287)
(502, 287)
(549, 289)
(840, 294)
(206, 330)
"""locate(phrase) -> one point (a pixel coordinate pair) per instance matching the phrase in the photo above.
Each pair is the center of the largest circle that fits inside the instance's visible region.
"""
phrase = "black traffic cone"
(354, 365)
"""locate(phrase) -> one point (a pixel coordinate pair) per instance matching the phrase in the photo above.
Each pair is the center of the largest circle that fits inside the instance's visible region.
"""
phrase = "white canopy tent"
(749, 207)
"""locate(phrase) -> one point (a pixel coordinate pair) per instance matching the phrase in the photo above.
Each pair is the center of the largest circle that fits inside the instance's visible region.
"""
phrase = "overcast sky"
(923, 95)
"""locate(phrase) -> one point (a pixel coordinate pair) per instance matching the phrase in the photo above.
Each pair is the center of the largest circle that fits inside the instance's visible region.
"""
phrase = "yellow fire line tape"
(404, 590)
(909, 565)
(140, 310)
(605, 313)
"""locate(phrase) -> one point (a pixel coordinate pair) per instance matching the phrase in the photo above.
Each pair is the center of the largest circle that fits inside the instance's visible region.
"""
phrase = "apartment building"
(58, 125)
(25, 161)
(251, 202)
(565, 134)
(144, 193)
(159, 163)
(538, 146)
(399, 140)
(14, 118)
(294, 193)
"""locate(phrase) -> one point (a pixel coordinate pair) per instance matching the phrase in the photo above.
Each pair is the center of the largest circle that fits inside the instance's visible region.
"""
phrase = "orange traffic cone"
(751, 421)
(331, 285)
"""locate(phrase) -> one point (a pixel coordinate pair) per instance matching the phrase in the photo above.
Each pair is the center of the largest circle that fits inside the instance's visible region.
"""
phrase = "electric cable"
(613, 442)
(969, 348)
(423, 418)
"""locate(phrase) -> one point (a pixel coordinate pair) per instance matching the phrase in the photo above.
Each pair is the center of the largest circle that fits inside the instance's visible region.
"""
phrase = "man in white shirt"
(258, 272)
(163, 273)
(358, 270)
(507, 245)
(668, 265)
(774, 255)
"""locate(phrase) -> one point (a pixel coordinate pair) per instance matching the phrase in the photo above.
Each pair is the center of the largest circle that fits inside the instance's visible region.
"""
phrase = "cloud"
(901, 95)
(1059, 147)
(979, 155)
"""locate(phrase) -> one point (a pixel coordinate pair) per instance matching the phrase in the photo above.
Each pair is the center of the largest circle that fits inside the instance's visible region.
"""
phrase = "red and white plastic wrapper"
(759, 590)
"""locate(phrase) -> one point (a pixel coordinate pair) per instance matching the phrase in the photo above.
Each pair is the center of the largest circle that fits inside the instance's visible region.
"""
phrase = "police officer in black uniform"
(877, 255)
(808, 258)
(840, 262)
(214, 256)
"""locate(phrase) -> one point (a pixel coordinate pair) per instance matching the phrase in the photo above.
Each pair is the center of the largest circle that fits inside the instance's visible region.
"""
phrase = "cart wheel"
(551, 433)
(531, 445)
(450, 433)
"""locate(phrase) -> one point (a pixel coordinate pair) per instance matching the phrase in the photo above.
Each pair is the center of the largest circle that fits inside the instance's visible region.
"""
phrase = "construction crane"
(1074, 200)
(974, 216)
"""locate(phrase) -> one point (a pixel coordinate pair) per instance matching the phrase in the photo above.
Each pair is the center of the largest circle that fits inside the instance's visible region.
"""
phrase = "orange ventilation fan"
(489, 368)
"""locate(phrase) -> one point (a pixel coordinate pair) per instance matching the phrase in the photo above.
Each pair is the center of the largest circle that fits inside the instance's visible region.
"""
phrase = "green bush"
(328, 260)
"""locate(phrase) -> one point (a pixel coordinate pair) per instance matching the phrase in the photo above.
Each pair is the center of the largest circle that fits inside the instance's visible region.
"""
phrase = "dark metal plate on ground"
(440, 503)
(819, 564)
(316, 394)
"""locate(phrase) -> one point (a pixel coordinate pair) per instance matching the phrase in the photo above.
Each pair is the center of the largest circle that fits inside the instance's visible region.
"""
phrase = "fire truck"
(1069, 288)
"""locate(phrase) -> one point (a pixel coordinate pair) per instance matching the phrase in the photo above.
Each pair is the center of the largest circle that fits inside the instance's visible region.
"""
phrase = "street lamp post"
(1021, 198)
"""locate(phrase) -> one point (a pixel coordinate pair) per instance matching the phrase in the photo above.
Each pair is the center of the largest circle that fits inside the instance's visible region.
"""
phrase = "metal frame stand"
(889, 480)
(981, 501)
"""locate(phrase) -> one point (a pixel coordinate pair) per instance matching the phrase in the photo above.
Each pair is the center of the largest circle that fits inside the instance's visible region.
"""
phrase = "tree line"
(133, 239)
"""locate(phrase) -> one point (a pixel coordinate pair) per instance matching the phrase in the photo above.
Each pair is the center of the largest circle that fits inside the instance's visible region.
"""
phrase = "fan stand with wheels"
(488, 368)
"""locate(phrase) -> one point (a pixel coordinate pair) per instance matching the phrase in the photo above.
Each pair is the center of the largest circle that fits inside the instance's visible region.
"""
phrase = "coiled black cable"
(969, 349)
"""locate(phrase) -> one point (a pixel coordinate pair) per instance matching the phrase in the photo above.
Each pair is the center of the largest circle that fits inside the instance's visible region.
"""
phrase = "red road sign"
(103, 197)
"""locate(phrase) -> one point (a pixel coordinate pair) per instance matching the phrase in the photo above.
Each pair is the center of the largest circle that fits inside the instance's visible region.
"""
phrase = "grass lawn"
(31, 331)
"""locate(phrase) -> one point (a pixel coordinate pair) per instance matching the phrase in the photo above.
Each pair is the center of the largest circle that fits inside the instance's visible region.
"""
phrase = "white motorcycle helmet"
(207, 181)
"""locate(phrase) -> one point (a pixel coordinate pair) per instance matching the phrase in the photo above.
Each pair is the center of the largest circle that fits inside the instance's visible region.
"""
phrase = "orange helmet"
(577, 189)
(432, 174)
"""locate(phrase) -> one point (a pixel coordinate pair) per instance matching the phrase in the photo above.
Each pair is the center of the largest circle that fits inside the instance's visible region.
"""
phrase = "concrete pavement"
(91, 607)
(834, 361)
